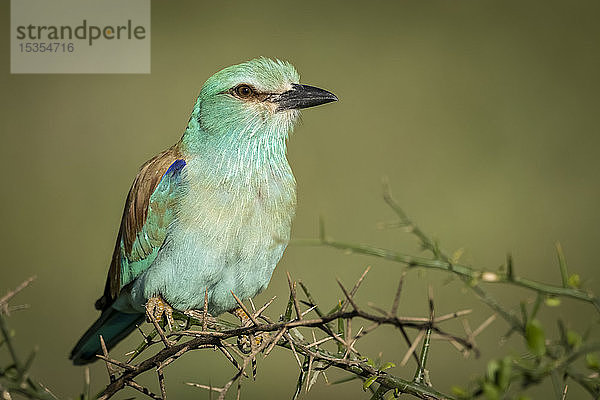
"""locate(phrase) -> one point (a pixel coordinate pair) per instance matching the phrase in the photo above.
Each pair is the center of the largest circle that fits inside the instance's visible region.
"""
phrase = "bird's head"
(253, 99)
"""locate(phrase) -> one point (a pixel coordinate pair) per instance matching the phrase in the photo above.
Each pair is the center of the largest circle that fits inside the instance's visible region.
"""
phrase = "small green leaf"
(536, 339)
(503, 375)
(574, 339)
(552, 301)
(574, 281)
(490, 391)
(492, 368)
(592, 362)
(369, 382)
(387, 365)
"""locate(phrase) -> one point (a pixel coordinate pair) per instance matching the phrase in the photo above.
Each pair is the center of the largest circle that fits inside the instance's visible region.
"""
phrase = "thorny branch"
(14, 377)
(550, 358)
(320, 340)
(216, 333)
(443, 262)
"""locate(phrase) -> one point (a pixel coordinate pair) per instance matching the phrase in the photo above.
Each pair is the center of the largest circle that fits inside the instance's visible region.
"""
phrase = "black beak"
(303, 96)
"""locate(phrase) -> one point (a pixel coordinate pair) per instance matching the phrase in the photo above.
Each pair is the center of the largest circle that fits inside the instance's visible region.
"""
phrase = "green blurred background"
(484, 116)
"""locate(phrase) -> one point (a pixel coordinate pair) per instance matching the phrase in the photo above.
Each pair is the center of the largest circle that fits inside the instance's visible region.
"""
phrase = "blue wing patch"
(175, 168)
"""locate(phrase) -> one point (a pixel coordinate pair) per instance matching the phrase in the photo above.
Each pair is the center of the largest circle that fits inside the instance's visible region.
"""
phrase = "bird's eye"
(243, 91)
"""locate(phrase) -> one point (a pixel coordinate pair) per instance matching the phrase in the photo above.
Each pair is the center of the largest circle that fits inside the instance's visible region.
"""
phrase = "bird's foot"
(242, 316)
(156, 307)
(245, 343)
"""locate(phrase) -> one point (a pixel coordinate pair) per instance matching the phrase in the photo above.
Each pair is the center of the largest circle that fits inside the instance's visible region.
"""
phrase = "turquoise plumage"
(212, 213)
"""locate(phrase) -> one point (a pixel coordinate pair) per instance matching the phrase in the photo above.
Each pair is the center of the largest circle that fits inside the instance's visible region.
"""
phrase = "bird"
(212, 214)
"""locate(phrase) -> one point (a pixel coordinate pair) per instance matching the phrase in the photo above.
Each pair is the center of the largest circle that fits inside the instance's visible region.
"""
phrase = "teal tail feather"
(113, 325)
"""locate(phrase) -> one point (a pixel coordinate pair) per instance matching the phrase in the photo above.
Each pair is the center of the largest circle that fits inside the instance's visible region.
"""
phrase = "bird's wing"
(149, 210)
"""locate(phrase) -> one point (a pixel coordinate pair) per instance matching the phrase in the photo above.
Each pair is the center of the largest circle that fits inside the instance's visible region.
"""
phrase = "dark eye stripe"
(240, 92)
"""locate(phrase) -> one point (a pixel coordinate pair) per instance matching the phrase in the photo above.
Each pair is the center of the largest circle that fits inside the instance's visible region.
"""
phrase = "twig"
(562, 264)
(291, 342)
(420, 376)
(159, 330)
(275, 341)
(471, 274)
(292, 286)
(355, 288)
(205, 310)
(264, 307)
(109, 368)
(396, 301)
(161, 383)
(143, 390)
(348, 296)
(6, 298)
(114, 362)
(411, 350)
(245, 310)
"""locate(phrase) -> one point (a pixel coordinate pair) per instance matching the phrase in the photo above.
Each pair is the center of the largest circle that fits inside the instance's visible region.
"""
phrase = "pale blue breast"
(228, 236)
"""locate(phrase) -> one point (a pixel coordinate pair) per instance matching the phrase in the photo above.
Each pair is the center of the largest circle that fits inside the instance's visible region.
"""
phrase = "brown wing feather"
(134, 217)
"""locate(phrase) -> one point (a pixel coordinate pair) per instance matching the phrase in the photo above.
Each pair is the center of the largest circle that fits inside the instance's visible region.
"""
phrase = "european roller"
(212, 214)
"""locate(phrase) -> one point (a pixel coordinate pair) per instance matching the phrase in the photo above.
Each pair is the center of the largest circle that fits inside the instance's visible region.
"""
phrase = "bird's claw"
(244, 343)
(242, 316)
(156, 307)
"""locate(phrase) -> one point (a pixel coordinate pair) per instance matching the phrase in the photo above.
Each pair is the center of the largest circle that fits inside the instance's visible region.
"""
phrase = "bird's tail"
(113, 326)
